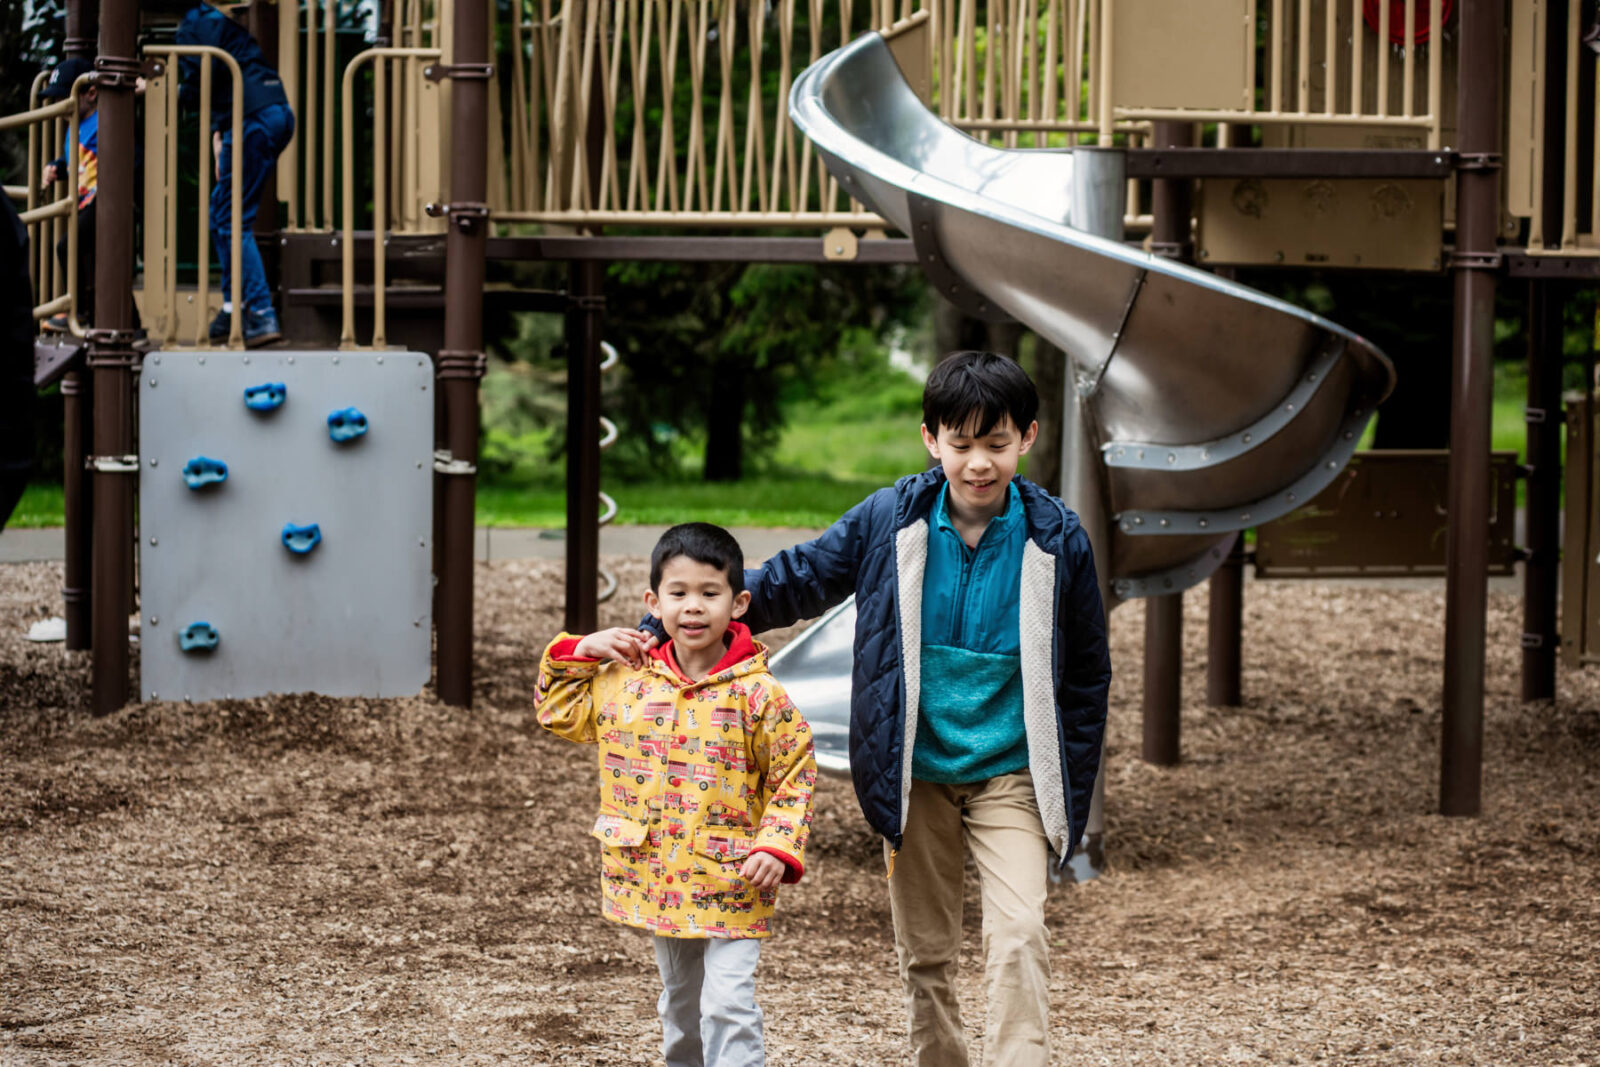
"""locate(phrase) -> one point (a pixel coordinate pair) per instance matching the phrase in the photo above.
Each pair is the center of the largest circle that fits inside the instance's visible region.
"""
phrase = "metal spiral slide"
(1213, 407)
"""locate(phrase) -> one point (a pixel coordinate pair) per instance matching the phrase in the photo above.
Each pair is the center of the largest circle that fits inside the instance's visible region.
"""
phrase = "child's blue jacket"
(879, 551)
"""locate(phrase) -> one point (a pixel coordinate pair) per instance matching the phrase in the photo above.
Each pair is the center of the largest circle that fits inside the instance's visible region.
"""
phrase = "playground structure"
(1365, 112)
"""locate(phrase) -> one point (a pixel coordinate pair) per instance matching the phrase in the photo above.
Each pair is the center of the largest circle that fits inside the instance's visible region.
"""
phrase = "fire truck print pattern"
(694, 776)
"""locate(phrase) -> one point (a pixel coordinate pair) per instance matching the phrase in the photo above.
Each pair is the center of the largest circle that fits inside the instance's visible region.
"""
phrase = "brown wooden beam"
(1185, 162)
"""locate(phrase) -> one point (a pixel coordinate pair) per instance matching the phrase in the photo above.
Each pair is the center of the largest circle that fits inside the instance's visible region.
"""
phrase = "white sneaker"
(48, 630)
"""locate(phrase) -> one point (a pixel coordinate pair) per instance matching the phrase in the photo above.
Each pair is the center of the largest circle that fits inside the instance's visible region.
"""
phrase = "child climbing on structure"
(705, 888)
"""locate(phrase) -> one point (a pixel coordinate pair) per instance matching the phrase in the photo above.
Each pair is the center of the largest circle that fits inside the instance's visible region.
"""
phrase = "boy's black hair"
(981, 386)
(702, 542)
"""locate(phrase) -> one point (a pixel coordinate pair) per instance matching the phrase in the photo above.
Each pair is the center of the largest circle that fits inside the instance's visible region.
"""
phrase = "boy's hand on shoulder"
(618, 643)
(763, 870)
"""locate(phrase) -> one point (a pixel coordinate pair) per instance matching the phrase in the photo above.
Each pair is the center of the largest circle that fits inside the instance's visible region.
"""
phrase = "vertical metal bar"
(1225, 631)
(236, 213)
(170, 215)
(583, 446)
(1383, 57)
(202, 270)
(306, 131)
(463, 336)
(347, 209)
(380, 194)
(1435, 73)
(1275, 71)
(330, 47)
(76, 399)
(1302, 58)
(78, 502)
(1104, 75)
(1099, 189)
(1330, 55)
(1466, 538)
(1163, 679)
(1358, 56)
(1408, 82)
(289, 69)
(111, 362)
(1541, 569)
(1569, 186)
(1171, 203)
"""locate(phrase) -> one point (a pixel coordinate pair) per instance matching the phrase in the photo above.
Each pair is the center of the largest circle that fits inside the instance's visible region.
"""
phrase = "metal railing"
(1580, 222)
(161, 198)
(383, 140)
(55, 291)
(1022, 73)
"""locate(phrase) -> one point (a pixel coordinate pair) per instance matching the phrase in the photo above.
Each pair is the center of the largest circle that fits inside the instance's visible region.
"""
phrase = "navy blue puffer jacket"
(878, 551)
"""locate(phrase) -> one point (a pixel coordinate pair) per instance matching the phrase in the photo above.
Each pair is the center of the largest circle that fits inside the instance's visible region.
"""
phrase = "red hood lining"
(741, 646)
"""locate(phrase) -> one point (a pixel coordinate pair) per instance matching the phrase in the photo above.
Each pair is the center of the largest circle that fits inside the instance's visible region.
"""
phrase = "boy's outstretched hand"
(618, 643)
(763, 870)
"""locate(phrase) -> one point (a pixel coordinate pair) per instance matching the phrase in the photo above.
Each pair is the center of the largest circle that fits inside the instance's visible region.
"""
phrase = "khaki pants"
(998, 821)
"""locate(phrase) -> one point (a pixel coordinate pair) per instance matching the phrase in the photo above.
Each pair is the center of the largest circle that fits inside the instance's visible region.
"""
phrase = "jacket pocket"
(718, 856)
(618, 831)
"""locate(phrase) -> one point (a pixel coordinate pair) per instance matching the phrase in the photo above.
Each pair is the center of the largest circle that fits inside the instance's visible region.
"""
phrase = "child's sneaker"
(261, 328)
(56, 324)
(220, 326)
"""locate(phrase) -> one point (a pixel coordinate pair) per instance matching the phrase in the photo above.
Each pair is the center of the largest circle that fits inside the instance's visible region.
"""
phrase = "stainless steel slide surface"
(1214, 407)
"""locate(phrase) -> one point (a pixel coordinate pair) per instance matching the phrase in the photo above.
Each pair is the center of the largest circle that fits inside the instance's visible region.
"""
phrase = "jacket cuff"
(793, 868)
(566, 648)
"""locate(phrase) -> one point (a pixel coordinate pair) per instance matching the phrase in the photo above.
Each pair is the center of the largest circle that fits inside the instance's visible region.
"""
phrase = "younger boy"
(706, 774)
(978, 696)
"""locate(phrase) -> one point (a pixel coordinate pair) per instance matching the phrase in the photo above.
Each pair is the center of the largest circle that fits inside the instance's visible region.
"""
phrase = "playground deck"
(316, 880)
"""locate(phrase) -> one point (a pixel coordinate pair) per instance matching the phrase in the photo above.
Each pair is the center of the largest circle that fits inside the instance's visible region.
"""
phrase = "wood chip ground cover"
(308, 880)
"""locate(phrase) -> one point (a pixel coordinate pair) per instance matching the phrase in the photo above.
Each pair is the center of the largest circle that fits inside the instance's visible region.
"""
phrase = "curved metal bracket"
(1144, 455)
(1308, 485)
(1176, 579)
(930, 257)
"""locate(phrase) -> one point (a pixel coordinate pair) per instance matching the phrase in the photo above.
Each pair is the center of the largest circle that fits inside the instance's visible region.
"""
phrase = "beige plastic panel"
(1524, 81)
(1194, 54)
(1370, 223)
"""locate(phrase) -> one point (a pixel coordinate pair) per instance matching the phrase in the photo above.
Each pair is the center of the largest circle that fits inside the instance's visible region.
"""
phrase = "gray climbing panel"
(350, 616)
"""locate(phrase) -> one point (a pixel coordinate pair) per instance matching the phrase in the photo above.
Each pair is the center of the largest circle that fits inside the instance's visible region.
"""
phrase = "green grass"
(832, 454)
(41, 505)
(786, 499)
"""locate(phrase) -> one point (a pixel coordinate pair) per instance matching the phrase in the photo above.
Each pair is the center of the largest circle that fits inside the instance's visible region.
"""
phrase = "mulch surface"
(309, 880)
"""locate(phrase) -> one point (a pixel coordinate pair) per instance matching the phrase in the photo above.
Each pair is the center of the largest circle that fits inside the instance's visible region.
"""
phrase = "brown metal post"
(82, 27)
(264, 28)
(83, 24)
(1225, 618)
(461, 362)
(1163, 681)
(583, 445)
(1171, 204)
(76, 444)
(584, 330)
(1474, 261)
(112, 358)
(1541, 571)
(1224, 627)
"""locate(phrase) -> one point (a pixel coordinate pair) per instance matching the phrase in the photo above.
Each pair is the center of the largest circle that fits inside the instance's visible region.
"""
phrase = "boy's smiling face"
(695, 603)
(979, 467)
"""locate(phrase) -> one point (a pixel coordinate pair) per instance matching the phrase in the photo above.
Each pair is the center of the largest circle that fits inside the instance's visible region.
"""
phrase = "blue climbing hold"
(301, 539)
(346, 424)
(202, 471)
(266, 397)
(198, 637)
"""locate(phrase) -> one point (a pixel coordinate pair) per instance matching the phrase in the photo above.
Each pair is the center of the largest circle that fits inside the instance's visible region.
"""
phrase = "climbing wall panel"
(285, 523)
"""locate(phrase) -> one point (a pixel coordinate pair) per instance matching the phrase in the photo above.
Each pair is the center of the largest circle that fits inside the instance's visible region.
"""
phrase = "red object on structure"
(1397, 18)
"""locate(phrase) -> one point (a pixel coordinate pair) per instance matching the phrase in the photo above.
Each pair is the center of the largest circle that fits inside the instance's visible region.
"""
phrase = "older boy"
(706, 776)
(978, 699)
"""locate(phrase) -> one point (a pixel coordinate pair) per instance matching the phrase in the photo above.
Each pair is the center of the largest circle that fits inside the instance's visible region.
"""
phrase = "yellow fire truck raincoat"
(694, 776)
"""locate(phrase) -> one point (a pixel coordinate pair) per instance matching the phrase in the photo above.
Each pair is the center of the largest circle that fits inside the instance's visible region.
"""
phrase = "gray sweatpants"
(709, 1016)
